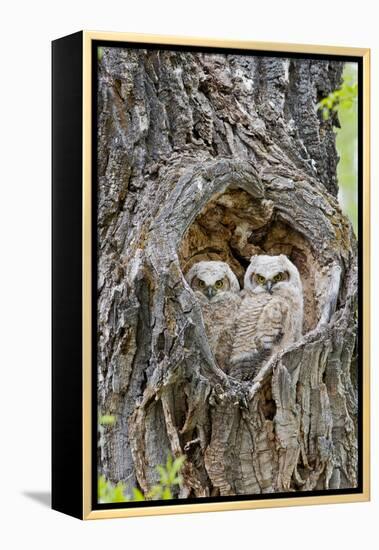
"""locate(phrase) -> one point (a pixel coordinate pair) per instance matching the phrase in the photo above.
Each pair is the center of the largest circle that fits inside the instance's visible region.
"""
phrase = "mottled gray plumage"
(270, 316)
(217, 289)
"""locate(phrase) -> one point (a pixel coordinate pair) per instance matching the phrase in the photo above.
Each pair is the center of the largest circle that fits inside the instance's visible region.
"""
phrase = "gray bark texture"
(221, 156)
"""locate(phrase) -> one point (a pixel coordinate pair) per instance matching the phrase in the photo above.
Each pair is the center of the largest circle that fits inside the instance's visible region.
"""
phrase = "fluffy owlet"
(217, 290)
(270, 316)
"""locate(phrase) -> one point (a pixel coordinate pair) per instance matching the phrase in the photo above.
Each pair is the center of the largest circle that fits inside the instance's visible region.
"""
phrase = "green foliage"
(100, 53)
(107, 419)
(137, 495)
(343, 98)
(347, 147)
(108, 492)
(169, 478)
(344, 101)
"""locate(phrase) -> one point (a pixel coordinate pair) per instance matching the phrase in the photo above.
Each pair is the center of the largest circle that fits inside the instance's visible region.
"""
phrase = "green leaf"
(107, 419)
(163, 474)
(169, 462)
(118, 493)
(178, 463)
(178, 480)
(155, 492)
(343, 98)
(166, 495)
(107, 492)
(169, 477)
(325, 114)
(137, 494)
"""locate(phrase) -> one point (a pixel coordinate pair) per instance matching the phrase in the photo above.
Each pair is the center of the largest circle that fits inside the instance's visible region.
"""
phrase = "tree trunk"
(213, 156)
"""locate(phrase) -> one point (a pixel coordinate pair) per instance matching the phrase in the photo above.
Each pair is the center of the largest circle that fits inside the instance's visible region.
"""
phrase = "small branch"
(189, 444)
(172, 432)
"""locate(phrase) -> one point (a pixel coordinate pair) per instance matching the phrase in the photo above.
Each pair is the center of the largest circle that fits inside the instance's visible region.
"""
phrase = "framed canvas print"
(210, 275)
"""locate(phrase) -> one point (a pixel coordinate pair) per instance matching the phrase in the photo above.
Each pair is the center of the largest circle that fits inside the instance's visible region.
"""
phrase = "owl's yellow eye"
(201, 283)
(260, 279)
(278, 277)
(219, 284)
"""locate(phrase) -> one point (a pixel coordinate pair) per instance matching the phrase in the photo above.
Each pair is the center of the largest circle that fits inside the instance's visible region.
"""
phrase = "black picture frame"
(74, 323)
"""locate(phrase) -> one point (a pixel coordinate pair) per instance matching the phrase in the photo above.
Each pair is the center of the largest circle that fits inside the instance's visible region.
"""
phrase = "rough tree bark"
(214, 156)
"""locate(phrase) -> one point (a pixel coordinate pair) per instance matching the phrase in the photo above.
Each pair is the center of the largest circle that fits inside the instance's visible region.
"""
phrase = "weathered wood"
(209, 156)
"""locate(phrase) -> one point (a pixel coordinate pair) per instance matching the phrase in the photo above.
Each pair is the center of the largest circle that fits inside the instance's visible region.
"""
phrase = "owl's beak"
(268, 286)
(210, 292)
